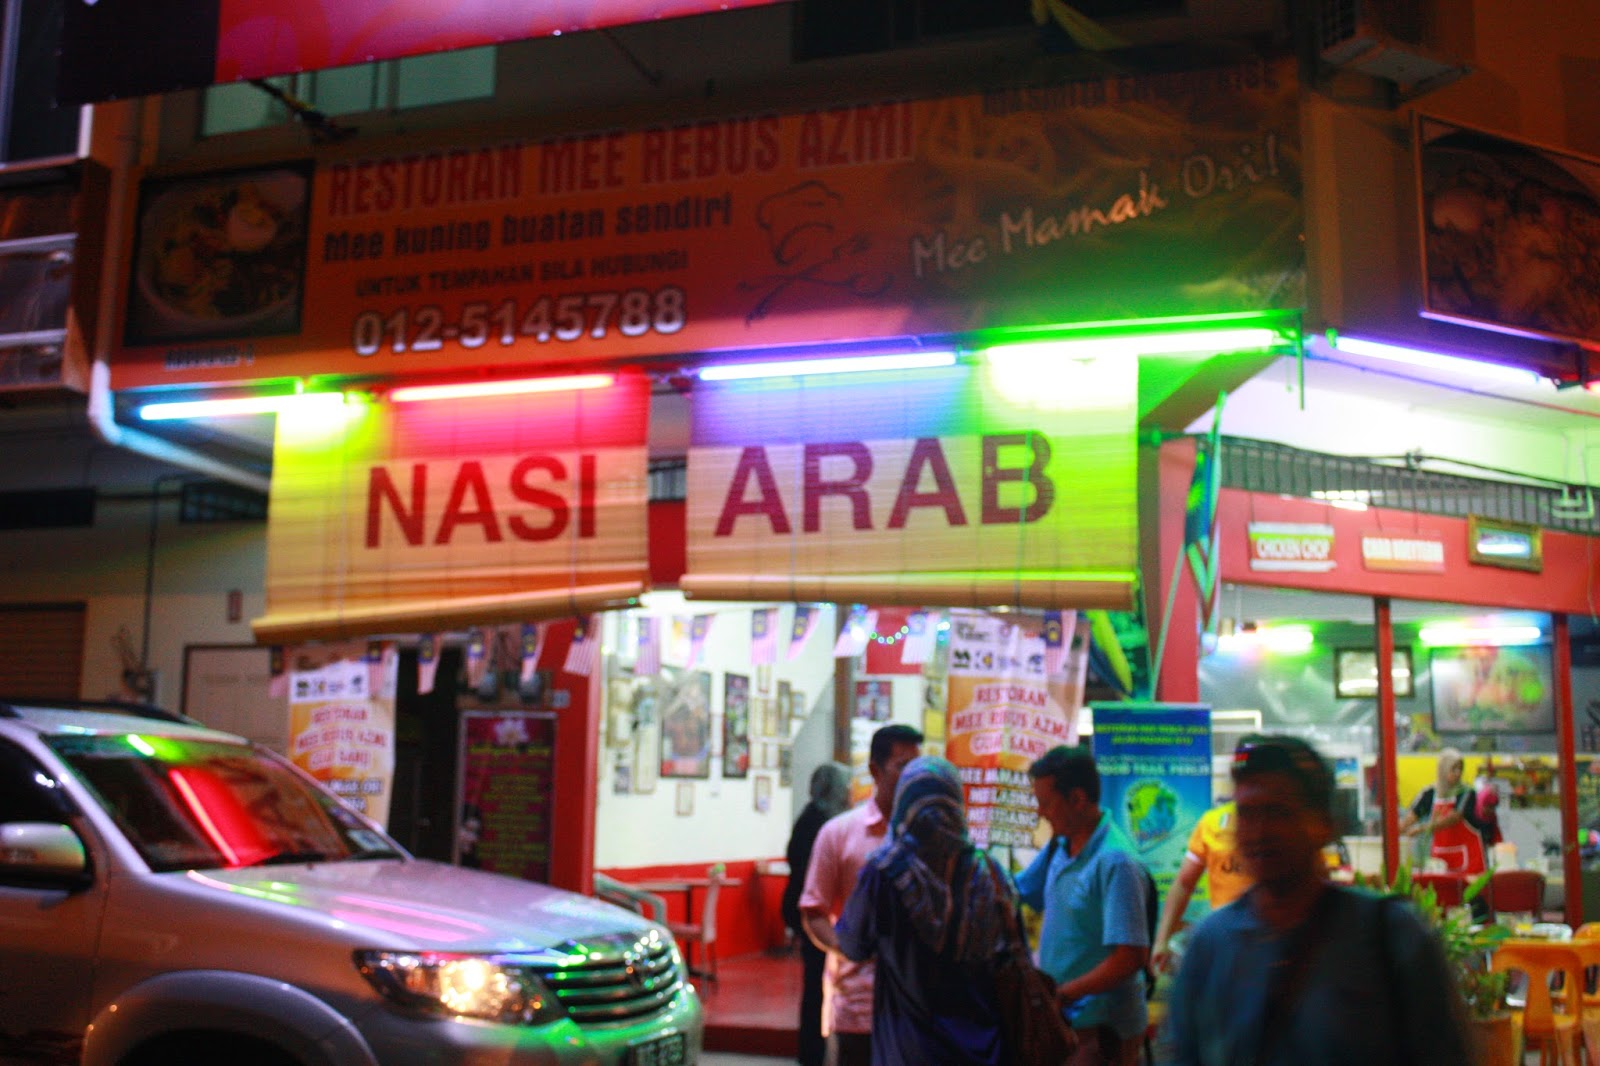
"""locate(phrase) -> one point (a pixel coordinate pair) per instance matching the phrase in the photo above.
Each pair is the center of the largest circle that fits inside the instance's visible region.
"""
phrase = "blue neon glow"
(853, 364)
(1449, 364)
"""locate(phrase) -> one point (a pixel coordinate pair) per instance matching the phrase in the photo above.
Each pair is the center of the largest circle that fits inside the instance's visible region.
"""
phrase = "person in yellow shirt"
(1211, 853)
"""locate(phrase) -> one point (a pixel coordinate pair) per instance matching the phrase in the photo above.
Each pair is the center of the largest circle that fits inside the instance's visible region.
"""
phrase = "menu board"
(507, 776)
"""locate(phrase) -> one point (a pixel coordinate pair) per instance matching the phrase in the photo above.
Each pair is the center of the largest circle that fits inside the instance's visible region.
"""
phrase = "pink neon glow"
(393, 925)
(462, 390)
(395, 908)
(200, 814)
(259, 38)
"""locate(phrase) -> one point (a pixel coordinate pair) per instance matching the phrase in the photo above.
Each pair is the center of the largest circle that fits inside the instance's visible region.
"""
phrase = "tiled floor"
(753, 1007)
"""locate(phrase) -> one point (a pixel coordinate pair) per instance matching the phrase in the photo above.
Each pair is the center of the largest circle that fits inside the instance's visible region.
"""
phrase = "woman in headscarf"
(940, 917)
(830, 795)
(1448, 811)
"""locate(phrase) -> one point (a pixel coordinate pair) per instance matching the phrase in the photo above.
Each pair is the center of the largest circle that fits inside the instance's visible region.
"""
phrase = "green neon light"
(1283, 325)
(141, 745)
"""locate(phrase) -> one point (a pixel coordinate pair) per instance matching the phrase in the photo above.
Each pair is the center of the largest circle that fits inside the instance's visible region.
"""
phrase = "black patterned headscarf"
(932, 864)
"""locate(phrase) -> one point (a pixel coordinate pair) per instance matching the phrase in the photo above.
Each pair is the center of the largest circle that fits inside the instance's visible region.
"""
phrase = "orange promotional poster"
(1095, 200)
(341, 720)
(1005, 709)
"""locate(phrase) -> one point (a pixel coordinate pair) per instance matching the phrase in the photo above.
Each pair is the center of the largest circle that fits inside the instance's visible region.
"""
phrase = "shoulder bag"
(1031, 1023)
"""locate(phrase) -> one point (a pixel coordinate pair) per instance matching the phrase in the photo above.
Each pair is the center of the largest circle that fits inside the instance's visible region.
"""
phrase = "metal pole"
(1567, 768)
(1388, 764)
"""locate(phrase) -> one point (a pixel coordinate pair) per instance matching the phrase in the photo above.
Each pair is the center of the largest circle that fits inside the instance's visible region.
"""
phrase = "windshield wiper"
(284, 858)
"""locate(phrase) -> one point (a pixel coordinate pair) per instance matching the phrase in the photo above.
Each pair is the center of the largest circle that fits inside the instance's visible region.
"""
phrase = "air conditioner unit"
(1385, 39)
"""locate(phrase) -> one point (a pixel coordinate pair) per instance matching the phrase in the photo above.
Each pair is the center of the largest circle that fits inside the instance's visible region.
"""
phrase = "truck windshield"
(190, 804)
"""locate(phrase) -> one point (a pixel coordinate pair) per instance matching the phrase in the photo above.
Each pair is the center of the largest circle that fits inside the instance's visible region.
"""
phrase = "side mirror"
(41, 849)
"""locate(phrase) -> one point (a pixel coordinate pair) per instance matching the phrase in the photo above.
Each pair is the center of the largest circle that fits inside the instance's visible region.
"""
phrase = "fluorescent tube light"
(1280, 640)
(851, 364)
(515, 386)
(1447, 364)
(245, 405)
(1457, 636)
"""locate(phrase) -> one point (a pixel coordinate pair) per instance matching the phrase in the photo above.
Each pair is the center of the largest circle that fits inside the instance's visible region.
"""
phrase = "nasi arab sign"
(455, 511)
(1089, 201)
(967, 485)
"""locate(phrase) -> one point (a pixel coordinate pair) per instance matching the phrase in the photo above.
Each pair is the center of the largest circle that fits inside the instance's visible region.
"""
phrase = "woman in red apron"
(1448, 811)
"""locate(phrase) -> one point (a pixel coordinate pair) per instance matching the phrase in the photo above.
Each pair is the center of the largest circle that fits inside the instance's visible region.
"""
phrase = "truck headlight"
(470, 986)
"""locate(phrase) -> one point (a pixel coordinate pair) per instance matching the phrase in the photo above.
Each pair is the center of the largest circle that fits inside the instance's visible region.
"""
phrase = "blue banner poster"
(1155, 777)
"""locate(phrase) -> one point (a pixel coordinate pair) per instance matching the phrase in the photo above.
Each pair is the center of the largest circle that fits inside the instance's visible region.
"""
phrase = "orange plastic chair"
(1542, 1027)
(1587, 945)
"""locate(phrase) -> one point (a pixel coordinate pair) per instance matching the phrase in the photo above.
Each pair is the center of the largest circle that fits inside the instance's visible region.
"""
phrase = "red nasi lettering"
(471, 503)
(753, 489)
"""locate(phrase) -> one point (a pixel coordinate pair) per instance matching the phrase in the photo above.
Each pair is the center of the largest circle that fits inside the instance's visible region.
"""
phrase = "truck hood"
(418, 905)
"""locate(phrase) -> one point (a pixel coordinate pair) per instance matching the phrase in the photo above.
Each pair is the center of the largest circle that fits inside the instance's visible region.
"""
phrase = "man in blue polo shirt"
(1091, 890)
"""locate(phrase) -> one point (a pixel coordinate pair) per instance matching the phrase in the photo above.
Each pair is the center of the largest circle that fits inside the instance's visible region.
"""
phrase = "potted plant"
(1467, 947)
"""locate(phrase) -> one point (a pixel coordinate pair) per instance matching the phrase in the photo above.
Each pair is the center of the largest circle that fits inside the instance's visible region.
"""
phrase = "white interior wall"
(645, 830)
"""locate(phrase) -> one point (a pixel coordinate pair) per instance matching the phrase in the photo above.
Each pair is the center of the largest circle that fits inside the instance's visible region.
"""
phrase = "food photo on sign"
(1493, 689)
(222, 255)
(1510, 233)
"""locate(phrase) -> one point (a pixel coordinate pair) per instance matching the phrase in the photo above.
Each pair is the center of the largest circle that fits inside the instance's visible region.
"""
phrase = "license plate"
(669, 1050)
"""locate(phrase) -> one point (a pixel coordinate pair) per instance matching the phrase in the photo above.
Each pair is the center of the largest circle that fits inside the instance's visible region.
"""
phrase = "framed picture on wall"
(735, 725)
(646, 739)
(1493, 689)
(686, 723)
(763, 793)
(1355, 673)
(683, 805)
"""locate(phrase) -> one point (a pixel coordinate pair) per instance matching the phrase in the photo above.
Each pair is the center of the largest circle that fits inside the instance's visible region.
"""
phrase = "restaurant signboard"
(965, 485)
(418, 517)
(1149, 196)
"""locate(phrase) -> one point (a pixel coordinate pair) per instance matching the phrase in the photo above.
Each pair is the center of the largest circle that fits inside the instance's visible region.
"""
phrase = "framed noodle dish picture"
(1355, 673)
(1509, 689)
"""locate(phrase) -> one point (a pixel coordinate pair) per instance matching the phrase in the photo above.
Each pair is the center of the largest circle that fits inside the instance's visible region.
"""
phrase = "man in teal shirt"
(1091, 890)
(1298, 971)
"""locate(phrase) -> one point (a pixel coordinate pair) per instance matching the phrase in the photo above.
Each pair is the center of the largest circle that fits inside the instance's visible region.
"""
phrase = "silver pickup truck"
(170, 894)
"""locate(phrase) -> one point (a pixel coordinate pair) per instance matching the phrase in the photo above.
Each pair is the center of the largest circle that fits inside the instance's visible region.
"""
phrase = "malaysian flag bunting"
(699, 629)
(583, 655)
(532, 647)
(764, 636)
(857, 631)
(922, 636)
(805, 620)
(1058, 629)
(376, 666)
(477, 657)
(648, 661)
(427, 662)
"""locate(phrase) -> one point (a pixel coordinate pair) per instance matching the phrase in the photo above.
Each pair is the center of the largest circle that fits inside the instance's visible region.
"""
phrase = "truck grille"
(614, 979)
